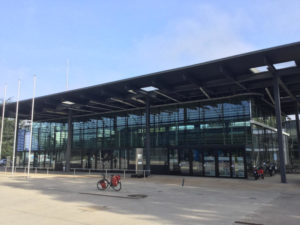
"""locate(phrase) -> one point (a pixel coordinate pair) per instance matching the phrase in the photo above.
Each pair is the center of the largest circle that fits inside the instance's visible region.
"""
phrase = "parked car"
(2, 162)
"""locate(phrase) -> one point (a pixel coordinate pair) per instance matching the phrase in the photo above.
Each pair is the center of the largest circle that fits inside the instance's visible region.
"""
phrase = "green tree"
(8, 137)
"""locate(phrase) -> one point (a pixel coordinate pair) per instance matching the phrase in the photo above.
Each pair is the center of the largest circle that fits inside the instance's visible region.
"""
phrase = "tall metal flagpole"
(31, 125)
(16, 129)
(2, 121)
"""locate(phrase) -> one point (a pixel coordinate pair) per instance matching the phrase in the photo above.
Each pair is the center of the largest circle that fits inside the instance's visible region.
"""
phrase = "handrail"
(144, 172)
(108, 171)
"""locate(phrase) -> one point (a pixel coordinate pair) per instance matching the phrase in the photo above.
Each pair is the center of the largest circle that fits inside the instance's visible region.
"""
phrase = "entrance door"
(106, 159)
(116, 159)
(197, 162)
(209, 164)
(185, 162)
(173, 161)
(224, 163)
(238, 164)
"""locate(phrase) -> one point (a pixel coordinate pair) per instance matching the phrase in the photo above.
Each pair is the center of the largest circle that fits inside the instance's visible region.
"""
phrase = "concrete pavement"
(57, 199)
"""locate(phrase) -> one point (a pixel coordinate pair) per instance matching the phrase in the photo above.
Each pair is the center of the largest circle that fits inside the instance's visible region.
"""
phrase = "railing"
(25, 169)
(144, 173)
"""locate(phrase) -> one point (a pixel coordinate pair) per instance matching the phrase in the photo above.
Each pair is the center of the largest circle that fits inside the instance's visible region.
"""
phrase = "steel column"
(298, 129)
(147, 140)
(279, 127)
(70, 140)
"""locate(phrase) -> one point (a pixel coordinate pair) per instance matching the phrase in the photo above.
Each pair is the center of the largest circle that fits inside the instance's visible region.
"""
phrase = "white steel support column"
(2, 121)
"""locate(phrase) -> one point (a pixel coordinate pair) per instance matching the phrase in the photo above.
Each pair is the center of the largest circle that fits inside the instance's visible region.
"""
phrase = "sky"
(111, 40)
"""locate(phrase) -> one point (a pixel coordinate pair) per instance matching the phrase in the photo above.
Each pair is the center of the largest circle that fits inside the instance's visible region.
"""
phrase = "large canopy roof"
(240, 74)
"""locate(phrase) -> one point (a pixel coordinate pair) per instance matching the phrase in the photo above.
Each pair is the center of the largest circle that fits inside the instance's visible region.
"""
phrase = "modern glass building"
(212, 119)
(214, 138)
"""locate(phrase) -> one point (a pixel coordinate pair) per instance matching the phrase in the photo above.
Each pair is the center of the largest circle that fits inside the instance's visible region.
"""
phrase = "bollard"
(124, 175)
(74, 171)
(90, 172)
(182, 184)
(24, 169)
(144, 175)
(35, 170)
(47, 171)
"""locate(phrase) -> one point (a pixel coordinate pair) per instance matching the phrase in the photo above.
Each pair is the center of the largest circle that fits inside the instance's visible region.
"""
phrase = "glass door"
(209, 164)
(106, 157)
(116, 159)
(224, 164)
(173, 161)
(197, 162)
(238, 164)
(123, 159)
(185, 167)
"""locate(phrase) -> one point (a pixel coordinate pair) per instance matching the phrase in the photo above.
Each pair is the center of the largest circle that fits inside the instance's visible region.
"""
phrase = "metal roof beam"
(104, 104)
(204, 92)
(273, 71)
(195, 81)
(166, 96)
(228, 74)
(270, 96)
(138, 100)
(123, 102)
(253, 77)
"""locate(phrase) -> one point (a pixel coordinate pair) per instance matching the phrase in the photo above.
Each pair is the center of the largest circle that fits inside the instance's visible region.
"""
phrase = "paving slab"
(59, 199)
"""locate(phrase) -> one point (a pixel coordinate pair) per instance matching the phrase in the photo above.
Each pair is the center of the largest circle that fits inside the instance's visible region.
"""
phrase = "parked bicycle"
(269, 168)
(114, 182)
(258, 173)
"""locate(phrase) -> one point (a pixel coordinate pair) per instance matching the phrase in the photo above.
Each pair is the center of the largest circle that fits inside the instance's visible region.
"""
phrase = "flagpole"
(31, 125)
(16, 128)
(2, 121)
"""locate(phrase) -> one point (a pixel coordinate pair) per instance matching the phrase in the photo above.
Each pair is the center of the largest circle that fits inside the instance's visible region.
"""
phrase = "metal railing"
(8, 169)
(143, 173)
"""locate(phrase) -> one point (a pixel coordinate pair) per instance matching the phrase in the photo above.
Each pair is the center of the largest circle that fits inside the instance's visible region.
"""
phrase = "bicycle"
(114, 182)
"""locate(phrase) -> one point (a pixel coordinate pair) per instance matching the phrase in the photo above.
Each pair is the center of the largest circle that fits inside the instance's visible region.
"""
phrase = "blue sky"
(111, 40)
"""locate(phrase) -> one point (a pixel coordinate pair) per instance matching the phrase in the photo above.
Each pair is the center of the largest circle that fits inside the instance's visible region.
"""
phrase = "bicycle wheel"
(117, 187)
(102, 184)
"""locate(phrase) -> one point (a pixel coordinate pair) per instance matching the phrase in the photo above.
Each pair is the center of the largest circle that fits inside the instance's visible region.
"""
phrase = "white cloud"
(211, 35)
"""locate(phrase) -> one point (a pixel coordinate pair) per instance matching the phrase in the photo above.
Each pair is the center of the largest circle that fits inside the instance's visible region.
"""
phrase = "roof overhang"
(215, 79)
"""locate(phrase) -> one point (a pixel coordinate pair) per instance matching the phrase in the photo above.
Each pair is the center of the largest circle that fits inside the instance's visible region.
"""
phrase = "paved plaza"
(57, 199)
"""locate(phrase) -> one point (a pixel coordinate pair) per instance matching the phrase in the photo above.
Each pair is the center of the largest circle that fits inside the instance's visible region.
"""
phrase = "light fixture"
(149, 88)
(132, 91)
(284, 65)
(259, 69)
(68, 103)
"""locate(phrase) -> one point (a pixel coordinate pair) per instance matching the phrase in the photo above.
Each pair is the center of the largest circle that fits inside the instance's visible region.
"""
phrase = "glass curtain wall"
(178, 134)
(264, 135)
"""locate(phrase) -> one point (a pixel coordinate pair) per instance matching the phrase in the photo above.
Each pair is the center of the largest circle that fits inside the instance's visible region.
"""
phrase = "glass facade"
(217, 138)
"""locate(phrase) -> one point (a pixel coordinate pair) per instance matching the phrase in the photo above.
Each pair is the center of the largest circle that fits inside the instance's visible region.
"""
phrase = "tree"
(8, 133)
(8, 137)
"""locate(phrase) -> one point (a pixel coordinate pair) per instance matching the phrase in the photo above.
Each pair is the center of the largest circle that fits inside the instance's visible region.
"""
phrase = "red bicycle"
(115, 183)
